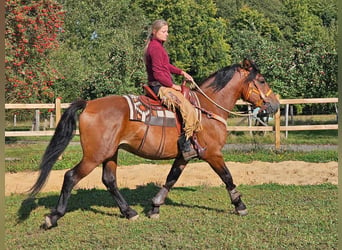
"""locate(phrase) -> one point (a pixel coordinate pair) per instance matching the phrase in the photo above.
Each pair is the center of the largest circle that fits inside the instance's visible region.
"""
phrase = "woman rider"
(159, 70)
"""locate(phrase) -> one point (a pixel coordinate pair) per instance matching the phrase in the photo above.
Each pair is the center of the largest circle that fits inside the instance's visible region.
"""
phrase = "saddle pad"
(149, 114)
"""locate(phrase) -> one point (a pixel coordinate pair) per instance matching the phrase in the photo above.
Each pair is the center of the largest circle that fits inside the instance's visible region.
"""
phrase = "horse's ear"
(246, 64)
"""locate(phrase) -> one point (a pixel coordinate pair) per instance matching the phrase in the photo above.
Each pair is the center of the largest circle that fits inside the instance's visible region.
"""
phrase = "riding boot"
(187, 148)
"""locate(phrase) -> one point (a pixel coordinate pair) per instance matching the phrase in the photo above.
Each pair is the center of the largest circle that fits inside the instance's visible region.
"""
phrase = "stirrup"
(187, 148)
(188, 155)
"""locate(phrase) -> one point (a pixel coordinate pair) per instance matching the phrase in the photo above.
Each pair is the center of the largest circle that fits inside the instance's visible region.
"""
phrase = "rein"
(216, 104)
(212, 115)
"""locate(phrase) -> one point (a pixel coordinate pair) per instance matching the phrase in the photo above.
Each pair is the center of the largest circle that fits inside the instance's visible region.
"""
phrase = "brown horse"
(105, 127)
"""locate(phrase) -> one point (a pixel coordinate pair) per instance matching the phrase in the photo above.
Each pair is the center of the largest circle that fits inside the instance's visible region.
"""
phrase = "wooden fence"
(277, 128)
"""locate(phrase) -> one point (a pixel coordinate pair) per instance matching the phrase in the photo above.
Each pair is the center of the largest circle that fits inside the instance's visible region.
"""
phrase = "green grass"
(294, 137)
(18, 139)
(23, 157)
(280, 217)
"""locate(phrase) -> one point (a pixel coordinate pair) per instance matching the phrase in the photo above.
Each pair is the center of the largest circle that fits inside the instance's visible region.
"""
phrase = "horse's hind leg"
(176, 170)
(109, 180)
(71, 178)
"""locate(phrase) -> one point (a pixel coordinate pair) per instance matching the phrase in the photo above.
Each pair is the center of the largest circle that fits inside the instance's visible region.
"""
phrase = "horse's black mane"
(224, 75)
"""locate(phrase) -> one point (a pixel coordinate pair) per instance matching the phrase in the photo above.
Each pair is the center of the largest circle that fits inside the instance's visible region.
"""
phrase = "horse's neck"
(225, 98)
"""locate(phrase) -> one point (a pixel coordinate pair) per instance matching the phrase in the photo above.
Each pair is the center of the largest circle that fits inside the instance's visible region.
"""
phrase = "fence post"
(37, 120)
(277, 129)
(58, 117)
(249, 119)
(58, 110)
(51, 120)
(286, 118)
(45, 124)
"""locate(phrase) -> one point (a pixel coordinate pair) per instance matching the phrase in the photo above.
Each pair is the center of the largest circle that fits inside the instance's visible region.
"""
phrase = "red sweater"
(158, 64)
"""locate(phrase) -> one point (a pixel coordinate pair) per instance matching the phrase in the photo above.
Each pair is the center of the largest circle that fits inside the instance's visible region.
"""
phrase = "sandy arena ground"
(195, 174)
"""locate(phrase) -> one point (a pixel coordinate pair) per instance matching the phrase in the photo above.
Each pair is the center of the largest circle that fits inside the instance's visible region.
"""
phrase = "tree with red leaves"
(32, 28)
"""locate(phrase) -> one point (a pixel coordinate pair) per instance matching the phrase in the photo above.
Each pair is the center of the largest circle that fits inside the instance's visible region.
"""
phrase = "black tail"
(60, 140)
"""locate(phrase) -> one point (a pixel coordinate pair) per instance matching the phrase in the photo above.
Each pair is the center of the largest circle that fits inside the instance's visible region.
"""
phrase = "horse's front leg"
(176, 170)
(217, 163)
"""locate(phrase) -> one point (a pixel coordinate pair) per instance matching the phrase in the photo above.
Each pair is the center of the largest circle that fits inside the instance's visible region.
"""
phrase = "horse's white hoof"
(242, 212)
(154, 216)
(134, 217)
(48, 223)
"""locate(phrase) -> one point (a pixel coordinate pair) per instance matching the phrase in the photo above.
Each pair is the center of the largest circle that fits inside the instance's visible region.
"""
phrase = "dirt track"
(195, 174)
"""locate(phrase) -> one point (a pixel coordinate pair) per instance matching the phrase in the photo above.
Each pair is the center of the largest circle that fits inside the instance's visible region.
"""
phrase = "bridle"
(254, 88)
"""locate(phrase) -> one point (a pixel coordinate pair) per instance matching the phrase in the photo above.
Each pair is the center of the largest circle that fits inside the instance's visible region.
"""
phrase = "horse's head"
(256, 90)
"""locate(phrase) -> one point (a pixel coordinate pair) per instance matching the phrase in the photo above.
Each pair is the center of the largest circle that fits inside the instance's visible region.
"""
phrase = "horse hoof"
(47, 224)
(135, 217)
(153, 216)
(243, 212)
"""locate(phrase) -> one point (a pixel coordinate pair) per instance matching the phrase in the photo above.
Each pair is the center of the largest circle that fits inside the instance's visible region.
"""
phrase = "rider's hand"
(187, 76)
(177, 87)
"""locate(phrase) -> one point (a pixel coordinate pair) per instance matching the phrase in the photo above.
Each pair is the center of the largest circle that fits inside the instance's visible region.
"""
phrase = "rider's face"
(162, 33)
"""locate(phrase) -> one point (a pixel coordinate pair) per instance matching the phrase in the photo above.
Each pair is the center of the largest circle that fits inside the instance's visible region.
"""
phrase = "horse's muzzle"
(270, 107)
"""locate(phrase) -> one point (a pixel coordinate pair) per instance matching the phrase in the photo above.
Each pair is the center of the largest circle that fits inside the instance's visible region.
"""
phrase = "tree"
(270, 9)
(253, 20)
(31, 34)
(297, 56)
(314, 56)
(252, 35)
(101, 49)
